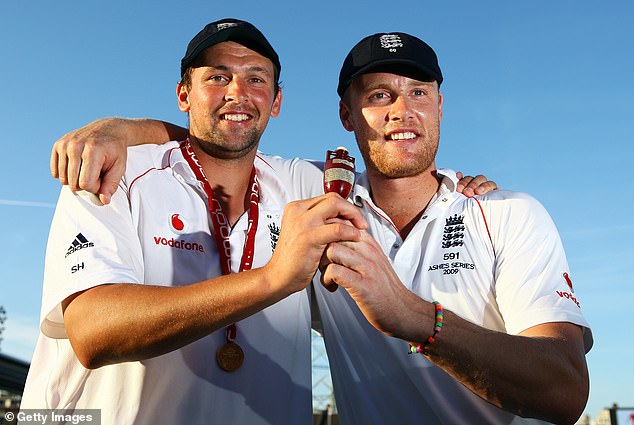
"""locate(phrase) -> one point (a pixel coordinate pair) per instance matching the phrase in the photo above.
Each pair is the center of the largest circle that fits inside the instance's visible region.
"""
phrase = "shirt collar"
(267, 178)
(361, 191)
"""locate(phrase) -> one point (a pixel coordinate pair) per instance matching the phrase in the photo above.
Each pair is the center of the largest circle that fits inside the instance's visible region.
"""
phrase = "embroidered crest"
(274, 231)
(224, 25)
(390, 42)
(453, 233)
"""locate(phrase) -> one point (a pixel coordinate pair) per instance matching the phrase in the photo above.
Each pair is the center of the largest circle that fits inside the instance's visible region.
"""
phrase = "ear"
(183, 97)
(277, 104)
(344, 116)
(440, 106)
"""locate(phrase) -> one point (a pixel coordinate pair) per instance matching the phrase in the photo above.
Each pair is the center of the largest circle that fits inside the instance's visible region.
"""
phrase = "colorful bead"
(431, 339)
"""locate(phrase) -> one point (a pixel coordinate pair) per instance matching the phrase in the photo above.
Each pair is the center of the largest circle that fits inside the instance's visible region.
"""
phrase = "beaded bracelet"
(431, 339)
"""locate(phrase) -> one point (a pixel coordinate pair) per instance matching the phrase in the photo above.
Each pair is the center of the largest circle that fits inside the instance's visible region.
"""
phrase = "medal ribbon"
(222, 229)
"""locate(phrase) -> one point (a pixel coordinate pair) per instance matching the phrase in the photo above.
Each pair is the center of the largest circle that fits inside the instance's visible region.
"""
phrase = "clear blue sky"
(539, 96)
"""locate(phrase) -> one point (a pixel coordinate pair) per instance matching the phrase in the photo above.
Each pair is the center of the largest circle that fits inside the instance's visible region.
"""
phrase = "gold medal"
(230, 357)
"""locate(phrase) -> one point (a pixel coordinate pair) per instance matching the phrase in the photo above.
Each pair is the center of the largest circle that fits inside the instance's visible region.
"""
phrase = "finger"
(352, 255)
(335, 232)
(324, 262)
(477, 181)
(75, 168)
(109, 184)
(463, 181)
(332, 205)
(312, 202)
(53, 163)
(338, 220)
(470, 186)
(88, 174)
(486, 187)
(330, 285)
(336, 275)
(481, 185)
(62, 164)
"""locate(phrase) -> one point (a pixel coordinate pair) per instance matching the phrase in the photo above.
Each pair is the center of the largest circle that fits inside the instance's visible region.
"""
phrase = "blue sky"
(539, 96)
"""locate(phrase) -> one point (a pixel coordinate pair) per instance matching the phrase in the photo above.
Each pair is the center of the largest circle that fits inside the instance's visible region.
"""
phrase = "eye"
(379, 96)
(419, 92)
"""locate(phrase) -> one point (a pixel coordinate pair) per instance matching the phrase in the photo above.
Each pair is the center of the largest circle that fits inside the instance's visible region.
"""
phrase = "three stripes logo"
(80, 242)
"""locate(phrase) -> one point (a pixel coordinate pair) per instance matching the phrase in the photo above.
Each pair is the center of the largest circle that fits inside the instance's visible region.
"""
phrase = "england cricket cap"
(230, 29)
(395, 52)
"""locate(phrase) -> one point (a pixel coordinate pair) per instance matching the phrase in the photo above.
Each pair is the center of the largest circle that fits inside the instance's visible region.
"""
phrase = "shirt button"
(396, 245)
(424, 217)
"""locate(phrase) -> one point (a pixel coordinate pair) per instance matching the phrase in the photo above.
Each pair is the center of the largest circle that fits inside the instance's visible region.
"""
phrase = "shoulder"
(301, 178)
(508, 202)
(512, 214)
(292, 165)
(144, 158)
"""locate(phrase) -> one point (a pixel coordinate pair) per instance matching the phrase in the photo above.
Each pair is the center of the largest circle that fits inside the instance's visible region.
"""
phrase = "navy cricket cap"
(391, 52)
(230, 29)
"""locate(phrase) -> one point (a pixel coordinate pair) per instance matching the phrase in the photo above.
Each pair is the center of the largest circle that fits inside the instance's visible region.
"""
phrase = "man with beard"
(455, 310)
(151, 316)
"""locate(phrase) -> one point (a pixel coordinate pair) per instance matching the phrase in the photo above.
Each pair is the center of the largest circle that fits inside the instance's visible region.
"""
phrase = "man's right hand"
(308, 227)
(92, 158)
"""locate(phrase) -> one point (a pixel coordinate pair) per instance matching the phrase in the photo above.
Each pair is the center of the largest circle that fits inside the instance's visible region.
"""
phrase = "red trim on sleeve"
(169, 164)
(486, 224)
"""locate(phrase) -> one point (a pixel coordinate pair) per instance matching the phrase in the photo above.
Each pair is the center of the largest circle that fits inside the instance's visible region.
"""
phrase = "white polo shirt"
(495, 260)
(157, 231)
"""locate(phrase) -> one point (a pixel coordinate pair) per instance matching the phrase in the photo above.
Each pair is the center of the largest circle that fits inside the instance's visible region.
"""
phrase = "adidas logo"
(80, 242)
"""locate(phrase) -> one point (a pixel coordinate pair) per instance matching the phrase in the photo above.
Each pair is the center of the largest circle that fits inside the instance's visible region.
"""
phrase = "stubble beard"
(215, 144)
(231, 144)
(385, 159)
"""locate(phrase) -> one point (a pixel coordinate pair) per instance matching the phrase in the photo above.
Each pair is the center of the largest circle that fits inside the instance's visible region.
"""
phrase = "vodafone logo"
(568, 281)
(177, 224)
(569, 295)
(179, 244)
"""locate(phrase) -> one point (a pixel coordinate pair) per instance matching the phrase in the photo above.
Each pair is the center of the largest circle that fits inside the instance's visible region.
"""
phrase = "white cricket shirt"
(157, 231)
(495, 260)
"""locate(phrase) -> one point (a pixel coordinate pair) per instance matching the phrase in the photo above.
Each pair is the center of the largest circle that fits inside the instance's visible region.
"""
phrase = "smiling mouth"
(235, 117)
(407, 135)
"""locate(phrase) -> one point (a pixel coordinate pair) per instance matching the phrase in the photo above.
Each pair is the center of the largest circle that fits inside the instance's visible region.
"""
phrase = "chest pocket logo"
(453, 233)
(274, 229)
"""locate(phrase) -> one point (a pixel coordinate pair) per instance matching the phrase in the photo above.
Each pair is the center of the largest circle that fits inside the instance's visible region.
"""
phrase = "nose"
(236, 91)
(400, 110)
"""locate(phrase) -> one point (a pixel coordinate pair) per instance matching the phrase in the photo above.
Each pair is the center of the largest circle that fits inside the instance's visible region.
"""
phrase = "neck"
(403, 199)
(229, 179)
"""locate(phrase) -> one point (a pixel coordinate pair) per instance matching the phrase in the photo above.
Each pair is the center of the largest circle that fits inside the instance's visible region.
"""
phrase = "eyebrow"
(255, 68)
(385, 86)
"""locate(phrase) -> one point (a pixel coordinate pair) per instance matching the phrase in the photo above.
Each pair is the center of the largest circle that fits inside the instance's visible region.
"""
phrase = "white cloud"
(26, 203)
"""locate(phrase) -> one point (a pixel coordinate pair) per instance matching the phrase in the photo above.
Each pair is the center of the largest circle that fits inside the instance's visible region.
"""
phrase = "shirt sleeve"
(532, 276)
(89, 245)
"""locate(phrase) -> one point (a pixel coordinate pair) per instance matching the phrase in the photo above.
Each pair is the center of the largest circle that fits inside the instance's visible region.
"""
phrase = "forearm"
(132, 131)
(540, 374)
(128, 322)
(146, 130)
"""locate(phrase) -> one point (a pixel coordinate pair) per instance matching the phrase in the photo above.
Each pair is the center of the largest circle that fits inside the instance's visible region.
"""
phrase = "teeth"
(236, 117)
(402, 136)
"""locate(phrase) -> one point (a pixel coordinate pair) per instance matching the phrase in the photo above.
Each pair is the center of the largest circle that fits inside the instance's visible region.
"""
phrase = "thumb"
(109, 184)
(107, 189)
